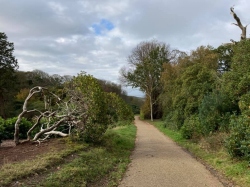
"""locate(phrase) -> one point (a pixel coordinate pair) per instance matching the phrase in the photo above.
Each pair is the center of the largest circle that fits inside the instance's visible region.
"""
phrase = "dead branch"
(57, 133)
(239, 24)
(71, 113)
(33, 91)
(43, 131)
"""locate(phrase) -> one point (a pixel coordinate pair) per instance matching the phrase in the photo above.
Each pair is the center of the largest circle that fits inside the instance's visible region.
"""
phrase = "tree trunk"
(18, 121)
(239, 24)
(151, 108)
(2, 113)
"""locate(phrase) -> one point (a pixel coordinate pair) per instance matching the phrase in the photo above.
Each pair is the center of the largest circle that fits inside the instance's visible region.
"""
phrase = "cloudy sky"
(96, 36)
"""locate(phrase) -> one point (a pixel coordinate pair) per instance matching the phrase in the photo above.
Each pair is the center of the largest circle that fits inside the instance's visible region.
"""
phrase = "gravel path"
(158, 162)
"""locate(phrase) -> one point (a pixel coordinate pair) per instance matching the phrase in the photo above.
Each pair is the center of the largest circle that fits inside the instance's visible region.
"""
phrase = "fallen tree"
(66, 113)
(85, 109)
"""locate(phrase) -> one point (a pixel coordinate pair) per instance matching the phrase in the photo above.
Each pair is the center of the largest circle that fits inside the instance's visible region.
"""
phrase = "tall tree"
(145, 68)
(8, 65)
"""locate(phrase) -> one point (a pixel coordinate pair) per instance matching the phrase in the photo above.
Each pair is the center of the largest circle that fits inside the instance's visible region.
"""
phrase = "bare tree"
(239, 24)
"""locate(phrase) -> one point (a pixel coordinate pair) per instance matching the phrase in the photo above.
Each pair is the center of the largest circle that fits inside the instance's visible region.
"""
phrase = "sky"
(66, 37)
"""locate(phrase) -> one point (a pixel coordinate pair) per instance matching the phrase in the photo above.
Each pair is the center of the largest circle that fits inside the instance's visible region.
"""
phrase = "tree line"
(36, 105)
(199, 93)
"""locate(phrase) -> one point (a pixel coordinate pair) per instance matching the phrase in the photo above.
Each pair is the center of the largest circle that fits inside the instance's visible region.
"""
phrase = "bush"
(145, 110)
(92, 102)
(214, 113)
(238, 142)
(142, 115)
(244, 104)
(174, 120)
(191, 128)
(118, 110)
(7, 128)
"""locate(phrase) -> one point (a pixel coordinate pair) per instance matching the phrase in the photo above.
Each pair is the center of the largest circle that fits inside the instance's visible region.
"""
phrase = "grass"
(15, 171)
(106, 162)
(235, 170)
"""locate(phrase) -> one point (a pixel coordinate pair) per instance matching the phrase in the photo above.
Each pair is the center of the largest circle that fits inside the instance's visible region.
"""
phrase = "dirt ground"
(160, 162)
(10, 153)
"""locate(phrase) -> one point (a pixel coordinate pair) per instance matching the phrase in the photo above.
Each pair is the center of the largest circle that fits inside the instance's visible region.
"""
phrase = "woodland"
(200, 93)
(37, 106)
(203, 93)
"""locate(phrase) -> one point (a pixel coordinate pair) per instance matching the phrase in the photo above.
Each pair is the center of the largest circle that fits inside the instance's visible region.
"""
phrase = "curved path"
(158, 162)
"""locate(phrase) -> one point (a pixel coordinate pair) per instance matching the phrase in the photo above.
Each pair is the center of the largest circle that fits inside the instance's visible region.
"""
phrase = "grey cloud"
(56, 36)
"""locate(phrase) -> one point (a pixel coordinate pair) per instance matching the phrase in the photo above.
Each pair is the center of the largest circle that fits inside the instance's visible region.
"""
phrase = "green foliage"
(11, 172)
(108, 160)
(192, 128)
(99, 109)
(197, 81)
(236, 83)
(95, 122)
(175, 119)
(238, 141)
(225, 53)
(145, 70)
(118, 109)
(7, 128)
(135, 109)
(185, 85)
(8, 65)
(214, 113)
(145, 109)
(244, 104)
(141, 115)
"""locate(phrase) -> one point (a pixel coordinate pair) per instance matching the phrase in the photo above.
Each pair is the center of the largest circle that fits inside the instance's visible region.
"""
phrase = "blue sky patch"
(102, 26)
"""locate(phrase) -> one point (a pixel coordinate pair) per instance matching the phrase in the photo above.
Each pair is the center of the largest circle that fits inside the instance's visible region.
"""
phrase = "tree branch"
(239, 24)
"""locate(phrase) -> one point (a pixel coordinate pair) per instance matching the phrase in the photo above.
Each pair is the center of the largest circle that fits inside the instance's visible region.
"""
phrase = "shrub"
(170, 123)
(145, 110)
(244, 104)
(7, 128)
(214, 113)
(142, 115)
(93, 103)
(238, 142)
(191, 128)
(174, 120)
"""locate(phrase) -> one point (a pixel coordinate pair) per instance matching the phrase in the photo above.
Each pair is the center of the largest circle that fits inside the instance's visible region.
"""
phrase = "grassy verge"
(235, 170)
(109, 161)
(105, 163)
(15, 171)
